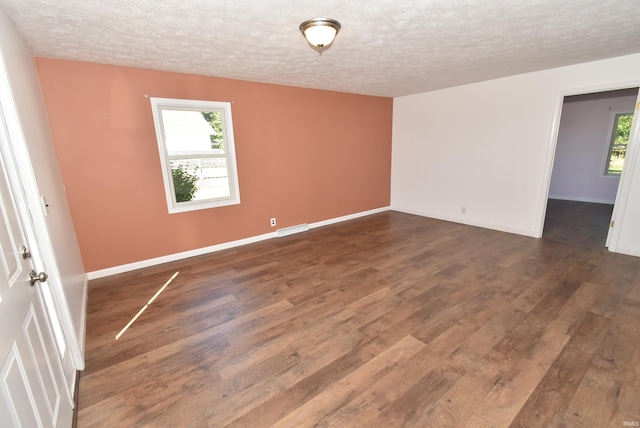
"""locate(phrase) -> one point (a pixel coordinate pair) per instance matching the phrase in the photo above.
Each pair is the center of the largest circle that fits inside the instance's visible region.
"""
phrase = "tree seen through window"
(618, 144)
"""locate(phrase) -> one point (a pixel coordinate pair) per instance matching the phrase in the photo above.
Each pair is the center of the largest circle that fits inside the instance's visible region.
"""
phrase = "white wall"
(25, 88)
(582, 148)
(489, 147)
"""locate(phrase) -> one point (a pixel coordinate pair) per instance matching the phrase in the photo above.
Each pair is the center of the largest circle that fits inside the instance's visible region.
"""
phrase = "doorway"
(585, 175)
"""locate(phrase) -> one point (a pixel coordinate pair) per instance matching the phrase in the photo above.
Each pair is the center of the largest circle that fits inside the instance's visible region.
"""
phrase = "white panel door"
(32, 386)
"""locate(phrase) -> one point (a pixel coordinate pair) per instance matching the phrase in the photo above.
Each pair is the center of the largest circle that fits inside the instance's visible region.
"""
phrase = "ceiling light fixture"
(320, 32)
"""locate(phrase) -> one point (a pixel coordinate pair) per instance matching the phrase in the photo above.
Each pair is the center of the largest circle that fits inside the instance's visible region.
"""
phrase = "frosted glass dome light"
(320, 32)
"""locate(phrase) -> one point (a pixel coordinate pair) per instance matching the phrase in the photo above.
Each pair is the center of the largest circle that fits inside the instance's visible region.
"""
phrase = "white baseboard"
(177, 256)
(82, 334)
(347, 217)
(498, 227)
(579, 199)
(628, 251)
(218, 247)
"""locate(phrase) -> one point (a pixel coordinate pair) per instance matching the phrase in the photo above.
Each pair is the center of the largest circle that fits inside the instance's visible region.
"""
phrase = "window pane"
(192, 131)
(618, 144)
(616, 161)
(197, 154)
(200, 179)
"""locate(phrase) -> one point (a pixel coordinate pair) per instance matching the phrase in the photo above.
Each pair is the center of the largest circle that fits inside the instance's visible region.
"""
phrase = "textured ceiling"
(386, 47)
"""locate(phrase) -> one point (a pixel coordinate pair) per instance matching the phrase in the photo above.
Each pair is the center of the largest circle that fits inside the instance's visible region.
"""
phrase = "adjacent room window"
(196, 145)
(618, 143)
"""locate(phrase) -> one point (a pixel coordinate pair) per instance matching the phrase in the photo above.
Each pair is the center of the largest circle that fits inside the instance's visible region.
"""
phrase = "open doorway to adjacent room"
(589, 158)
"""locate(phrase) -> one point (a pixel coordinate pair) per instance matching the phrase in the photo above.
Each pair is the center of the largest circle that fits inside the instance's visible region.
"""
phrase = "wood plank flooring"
(387, 320)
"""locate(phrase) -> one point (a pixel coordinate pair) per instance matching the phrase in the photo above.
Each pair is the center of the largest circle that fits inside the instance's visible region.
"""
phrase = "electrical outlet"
(463, 210)
(273, 222)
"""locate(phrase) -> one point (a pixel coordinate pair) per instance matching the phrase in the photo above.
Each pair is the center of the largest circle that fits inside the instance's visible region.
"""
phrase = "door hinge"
(613, 223)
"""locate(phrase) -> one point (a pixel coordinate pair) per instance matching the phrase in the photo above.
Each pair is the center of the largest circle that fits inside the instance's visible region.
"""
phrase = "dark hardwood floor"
(387, 320)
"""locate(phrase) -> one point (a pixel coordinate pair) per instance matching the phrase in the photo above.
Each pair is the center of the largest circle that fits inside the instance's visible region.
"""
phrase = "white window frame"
(159, 104)
(609, 147)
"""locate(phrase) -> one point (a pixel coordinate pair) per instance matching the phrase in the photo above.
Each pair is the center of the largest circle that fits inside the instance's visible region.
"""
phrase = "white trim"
(159, 104)
(348, 217)
(177, 256)
(551, 154)
(498, 227)
(551, 151)
(622, 196)
(628, 251)
(83, 318)
(580, 199)
(605, 87)
(218, 247)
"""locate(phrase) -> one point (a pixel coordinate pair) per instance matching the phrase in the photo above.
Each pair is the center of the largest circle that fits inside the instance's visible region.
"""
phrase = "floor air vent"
(291, 230)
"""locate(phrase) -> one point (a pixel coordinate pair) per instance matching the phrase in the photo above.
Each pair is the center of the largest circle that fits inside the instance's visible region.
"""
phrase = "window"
(618, 143)
(196, 145)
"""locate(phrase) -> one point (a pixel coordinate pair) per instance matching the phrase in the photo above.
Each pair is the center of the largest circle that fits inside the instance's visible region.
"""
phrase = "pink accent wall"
(303, 156)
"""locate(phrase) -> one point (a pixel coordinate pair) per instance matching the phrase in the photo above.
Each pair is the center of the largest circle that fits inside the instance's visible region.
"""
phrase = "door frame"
(624, 188)
(37, 215)
(622, 194)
